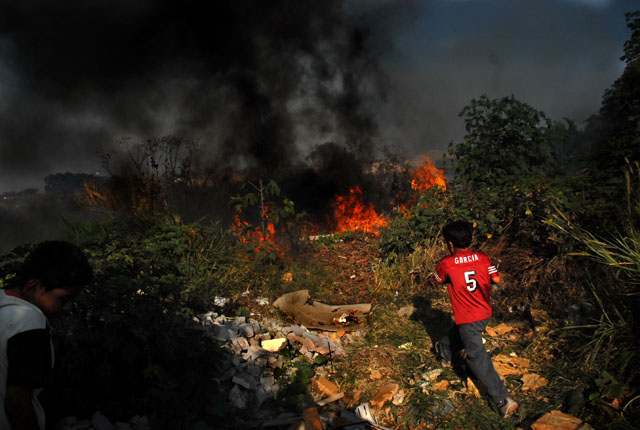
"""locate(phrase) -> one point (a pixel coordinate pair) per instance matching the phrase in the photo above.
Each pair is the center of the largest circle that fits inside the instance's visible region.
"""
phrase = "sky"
(263, 82)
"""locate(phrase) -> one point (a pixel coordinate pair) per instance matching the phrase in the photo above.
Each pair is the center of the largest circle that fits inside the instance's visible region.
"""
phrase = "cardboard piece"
(320, 316)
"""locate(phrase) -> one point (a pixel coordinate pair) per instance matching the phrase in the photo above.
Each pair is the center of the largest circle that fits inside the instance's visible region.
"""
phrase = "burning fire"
(426, 176)
(264, 239)
(350, 213)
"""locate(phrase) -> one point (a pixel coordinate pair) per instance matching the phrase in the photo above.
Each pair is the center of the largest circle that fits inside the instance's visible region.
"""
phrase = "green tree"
(616, 129)
(506, 140)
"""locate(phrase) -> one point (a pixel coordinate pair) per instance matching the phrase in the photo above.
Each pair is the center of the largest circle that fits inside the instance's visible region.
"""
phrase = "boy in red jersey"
(470, 274)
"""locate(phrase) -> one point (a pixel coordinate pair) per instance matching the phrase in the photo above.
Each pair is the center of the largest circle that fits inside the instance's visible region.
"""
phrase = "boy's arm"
(18, 407)
(440, 275)
(493, 274)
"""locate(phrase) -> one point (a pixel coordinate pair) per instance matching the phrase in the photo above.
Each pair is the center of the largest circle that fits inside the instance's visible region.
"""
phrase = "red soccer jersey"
(468, 274)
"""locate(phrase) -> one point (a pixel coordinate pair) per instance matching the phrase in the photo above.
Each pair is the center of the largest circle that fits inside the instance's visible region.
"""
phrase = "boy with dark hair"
(51, 276)
(469, 274)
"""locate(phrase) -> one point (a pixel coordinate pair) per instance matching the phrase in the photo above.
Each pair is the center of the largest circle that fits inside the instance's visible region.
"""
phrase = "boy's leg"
(450, 345)
(479, 360)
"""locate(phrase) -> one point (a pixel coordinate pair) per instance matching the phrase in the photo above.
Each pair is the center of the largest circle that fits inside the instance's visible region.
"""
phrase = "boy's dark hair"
(56, 264)
(460, 233)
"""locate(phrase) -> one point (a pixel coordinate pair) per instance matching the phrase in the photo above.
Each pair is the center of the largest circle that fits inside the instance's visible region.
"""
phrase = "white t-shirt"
(20, 318)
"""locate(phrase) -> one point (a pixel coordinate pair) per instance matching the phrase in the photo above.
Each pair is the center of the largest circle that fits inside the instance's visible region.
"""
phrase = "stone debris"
(274, 345)
(247, 371)
(556, 420)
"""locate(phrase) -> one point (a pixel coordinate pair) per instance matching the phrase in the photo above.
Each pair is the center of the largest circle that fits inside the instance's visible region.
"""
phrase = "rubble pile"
(254, 353)
(247, 372)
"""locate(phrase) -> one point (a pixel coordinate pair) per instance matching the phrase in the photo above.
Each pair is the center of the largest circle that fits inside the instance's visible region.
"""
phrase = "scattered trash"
(510, 365)
(431, 375)
(364, 411)
(398, 398)
(262, 301)
(385, 394)
(556, 420)
(499, 330)
(441, 386)
(375, 374)
(220, 301)
(287, 277)
(405, 345)
(533, 381)
(325, 386)
(406, 311)
(319, 315)
(330, 399)
(580, 313)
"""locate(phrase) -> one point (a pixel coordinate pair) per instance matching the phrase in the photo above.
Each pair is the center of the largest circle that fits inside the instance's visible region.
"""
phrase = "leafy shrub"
(129, 346)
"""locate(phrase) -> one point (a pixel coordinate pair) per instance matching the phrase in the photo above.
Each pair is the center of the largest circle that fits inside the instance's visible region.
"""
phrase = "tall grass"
(616, 293)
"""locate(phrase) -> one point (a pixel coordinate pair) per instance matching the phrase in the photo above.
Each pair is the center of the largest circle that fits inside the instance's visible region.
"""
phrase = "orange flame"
(350, 213)
(263, 240)
(426, 176)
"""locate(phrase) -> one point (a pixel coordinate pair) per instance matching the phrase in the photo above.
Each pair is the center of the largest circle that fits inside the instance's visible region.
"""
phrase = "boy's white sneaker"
(507, 407)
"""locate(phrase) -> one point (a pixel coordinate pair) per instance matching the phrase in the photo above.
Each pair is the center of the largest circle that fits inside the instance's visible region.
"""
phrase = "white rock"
(274, 345)
(243, 380)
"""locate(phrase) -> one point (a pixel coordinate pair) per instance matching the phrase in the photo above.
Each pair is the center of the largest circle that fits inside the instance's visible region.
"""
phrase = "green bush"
(129, 346)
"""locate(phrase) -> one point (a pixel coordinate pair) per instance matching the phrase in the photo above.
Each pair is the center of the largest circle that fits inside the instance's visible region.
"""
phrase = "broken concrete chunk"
(274, 345)
(237, 398)
(243, 380)
(241, 342)
(220, 333)
(319, 315)
(556, 420)
(246, 330)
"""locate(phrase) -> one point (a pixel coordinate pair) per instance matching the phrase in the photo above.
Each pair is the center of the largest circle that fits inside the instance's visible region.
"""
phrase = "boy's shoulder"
(466, 256)
(17, 315)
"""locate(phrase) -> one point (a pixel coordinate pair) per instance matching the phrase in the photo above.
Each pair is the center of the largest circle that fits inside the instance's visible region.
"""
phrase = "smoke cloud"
(256, 82)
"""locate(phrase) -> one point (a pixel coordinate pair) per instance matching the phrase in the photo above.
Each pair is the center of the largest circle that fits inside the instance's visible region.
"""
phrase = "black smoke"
(257, 82)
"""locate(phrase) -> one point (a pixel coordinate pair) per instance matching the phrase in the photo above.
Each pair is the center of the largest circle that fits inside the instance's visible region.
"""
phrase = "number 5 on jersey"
(472, 284)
